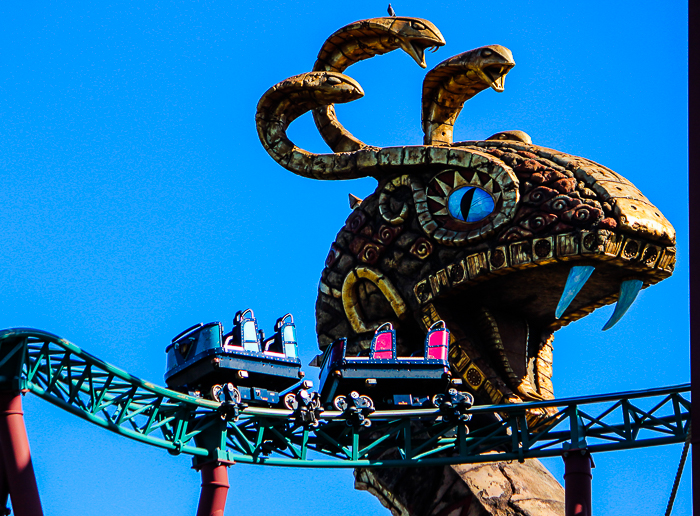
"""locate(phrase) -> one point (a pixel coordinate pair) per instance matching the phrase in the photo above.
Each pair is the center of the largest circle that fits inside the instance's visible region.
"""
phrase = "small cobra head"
(454, 81)
(415, 35)
(488, 65)
(492, 63)
(516, 136)
(291, 98)
(364, 39)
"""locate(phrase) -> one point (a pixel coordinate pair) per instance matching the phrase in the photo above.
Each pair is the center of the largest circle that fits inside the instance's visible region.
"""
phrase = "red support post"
(577, 483)
(212, 499)
(18, 472)
(4, 488)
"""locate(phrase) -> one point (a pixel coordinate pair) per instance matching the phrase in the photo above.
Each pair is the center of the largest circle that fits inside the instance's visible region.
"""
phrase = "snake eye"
(417, 25)
(465, 206)
(470, 204)
(486, 52)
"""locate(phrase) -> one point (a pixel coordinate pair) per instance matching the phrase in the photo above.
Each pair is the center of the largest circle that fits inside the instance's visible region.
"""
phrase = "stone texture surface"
(495, 488)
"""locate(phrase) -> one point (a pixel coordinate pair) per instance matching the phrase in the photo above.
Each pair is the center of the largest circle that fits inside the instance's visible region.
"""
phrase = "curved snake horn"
(451, 83)
(291, 98)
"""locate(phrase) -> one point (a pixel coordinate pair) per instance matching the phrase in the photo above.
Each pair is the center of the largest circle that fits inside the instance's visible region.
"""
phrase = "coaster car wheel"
(340, 403)
(438, 400)
(290, 401)
(218, 393)
(366, 402)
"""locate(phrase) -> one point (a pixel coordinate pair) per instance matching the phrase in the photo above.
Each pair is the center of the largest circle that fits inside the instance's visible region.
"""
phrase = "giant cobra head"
(504, 240)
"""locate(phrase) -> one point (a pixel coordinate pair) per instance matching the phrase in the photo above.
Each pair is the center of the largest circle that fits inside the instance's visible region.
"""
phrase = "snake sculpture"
(504, 240)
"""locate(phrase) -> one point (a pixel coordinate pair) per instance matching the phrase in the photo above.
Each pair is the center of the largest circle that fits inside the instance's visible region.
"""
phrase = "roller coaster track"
(61, 373)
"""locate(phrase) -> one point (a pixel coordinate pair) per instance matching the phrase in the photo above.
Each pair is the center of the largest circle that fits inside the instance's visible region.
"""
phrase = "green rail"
(63, 374)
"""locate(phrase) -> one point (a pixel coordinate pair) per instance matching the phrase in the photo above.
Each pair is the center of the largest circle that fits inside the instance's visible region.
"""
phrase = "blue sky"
(137, 201)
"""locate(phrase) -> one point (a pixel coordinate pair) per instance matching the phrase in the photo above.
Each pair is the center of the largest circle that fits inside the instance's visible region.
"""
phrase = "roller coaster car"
(382, 378)
(237, 366)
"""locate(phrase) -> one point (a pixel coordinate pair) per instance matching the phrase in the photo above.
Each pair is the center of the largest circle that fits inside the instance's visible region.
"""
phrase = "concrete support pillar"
(577, 483)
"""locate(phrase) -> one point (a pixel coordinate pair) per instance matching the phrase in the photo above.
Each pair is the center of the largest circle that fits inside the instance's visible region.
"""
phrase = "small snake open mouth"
(497, 76)
(416, 49)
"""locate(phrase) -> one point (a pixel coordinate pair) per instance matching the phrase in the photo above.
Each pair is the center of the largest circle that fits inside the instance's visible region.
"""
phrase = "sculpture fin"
(354, 201)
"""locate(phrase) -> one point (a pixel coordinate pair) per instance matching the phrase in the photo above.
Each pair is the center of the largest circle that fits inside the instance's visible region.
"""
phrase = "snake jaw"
(496, 62)
(496, 76)
(415, 51)
(416, 47)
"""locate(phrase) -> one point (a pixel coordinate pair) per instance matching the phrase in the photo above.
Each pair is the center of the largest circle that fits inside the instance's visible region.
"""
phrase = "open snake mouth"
(505, 303)
(416, 49)
(496, 76)
(572, 274)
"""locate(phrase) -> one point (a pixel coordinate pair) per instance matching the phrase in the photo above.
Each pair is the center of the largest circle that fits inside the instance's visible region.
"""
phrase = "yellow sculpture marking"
(350, 300)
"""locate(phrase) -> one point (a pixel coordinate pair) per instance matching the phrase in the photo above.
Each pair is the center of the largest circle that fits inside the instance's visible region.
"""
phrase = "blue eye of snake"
(470, 204)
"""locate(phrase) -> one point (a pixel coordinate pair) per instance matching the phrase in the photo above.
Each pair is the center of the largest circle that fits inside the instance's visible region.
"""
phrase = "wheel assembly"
(340, 403)
(290, 401)
(437, 400)
(366, 402)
